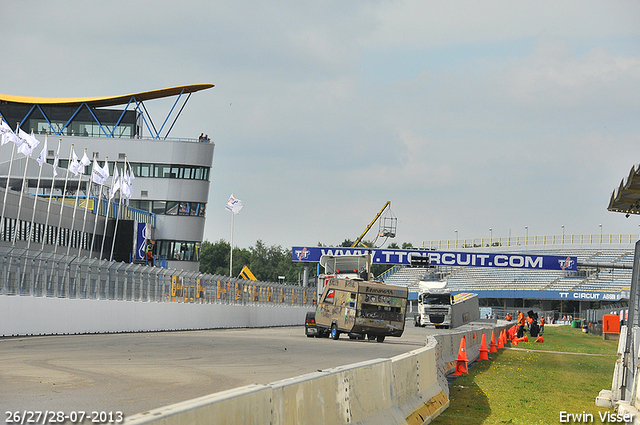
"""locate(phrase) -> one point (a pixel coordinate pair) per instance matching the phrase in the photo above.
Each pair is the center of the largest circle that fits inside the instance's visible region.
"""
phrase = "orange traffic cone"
(539, 339)
(484, 353)
(501, 340)
(493, 347)
(461, 366)
(515, 341)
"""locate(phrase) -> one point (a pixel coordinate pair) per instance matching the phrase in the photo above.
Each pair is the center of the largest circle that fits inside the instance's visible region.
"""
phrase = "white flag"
(234, 204)
(74, 165)
(127, 184)
(55, 162)
(99, 174)
(84, 162)
(42, 158)
(7, 134)
(116, 182)
(27, 143)
(105, 170)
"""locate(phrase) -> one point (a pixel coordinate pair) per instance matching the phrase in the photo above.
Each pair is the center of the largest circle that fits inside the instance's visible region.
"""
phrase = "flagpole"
(95, 223)
(41, 160)
(75, 205)
(62, 202)
(35, 200)
(86, 208)
(53, 179)
(46, 221)
(115, 227)
(106, 220)
(5, 128)
(6, 190)
(234, 205)
(126, 178)
(24, 178)
(231, 254)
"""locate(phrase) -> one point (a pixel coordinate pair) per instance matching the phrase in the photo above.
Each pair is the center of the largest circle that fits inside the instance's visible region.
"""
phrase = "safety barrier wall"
(34, 285)
(50, 316)
(407, 389)
(45, 274)
(47, 293)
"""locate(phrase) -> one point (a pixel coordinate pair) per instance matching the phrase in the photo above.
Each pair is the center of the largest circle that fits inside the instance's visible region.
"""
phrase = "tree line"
(267, 263)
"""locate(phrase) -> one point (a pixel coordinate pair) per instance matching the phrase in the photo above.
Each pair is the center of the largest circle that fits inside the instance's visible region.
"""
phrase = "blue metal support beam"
(121, 116)
(177, 116)
(169, 114)
(70, 119)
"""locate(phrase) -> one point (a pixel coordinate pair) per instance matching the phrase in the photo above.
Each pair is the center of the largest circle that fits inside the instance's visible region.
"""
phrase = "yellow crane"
(388, 229)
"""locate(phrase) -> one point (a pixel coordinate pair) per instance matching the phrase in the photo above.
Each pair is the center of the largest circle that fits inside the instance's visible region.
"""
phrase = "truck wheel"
(335, 334)
(417, 321)
(380, 338)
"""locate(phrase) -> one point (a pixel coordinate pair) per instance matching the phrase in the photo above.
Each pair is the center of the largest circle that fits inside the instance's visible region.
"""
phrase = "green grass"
(531, 386)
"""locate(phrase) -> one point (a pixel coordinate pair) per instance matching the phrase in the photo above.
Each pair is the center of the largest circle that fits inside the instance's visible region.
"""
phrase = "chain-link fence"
(41, 274)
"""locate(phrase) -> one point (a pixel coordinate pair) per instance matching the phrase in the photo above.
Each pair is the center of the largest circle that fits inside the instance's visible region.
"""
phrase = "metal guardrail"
(532, 240)
(40, 274)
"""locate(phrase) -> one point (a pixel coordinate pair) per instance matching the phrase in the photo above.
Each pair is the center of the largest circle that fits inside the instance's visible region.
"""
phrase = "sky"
(519, 117)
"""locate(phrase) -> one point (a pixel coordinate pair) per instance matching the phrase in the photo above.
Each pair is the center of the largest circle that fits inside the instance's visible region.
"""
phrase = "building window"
(184, 208)
(172, 208)
(159, 207)
(166, 171)
(179, 250)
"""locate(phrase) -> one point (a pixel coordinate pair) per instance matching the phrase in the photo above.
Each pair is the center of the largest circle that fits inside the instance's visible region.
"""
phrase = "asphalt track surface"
(136, 372)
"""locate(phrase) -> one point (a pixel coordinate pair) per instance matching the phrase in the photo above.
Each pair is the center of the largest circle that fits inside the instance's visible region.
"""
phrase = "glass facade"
(194, 209)
(178, 250)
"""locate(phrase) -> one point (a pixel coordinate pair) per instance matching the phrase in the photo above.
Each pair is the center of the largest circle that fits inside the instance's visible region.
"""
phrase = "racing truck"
(439, 308)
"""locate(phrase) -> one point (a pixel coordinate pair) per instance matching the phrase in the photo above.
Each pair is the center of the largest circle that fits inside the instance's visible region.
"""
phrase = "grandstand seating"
(495, 279)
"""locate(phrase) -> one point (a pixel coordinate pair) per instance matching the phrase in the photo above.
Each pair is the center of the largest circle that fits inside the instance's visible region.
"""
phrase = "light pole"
(456, 238)
(526, 239)
(563, 233)
(491, 236)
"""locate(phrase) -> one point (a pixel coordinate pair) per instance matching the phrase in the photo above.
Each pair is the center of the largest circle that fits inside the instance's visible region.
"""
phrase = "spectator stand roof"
(626, 197)
(136, 99)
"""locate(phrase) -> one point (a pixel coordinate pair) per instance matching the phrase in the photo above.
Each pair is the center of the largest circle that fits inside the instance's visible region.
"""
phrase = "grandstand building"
(603, 275)
(171, 176)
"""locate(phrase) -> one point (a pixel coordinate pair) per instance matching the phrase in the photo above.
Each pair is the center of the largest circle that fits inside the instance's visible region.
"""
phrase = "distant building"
(172, 176)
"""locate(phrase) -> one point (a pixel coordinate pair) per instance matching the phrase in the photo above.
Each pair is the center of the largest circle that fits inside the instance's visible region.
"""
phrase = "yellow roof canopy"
(105, 100)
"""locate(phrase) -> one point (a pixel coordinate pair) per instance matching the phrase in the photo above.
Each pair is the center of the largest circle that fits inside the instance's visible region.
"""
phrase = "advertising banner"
(143, 231)
(521, 260)
(552, 295)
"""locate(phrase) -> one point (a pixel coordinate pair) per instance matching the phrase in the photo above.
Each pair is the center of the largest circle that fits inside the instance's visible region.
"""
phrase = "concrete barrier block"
(249, 405)
(315, 398)
(367, 386)
(408, 389)
(406, 377)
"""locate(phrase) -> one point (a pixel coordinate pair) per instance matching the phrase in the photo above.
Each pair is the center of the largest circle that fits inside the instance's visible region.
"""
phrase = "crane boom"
(370, 225)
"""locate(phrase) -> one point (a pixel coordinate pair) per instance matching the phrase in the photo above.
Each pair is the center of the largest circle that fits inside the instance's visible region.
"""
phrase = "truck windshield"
(442, 299)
